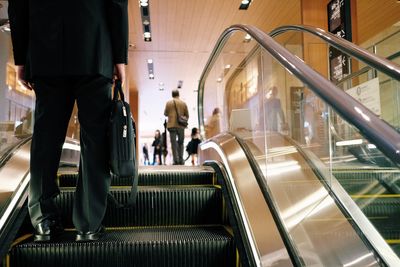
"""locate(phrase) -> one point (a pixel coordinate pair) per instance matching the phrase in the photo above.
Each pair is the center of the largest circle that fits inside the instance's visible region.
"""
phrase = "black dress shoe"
(47, 230)
(90, 235)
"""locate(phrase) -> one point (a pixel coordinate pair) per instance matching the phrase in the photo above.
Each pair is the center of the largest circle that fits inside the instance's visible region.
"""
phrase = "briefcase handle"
(118, 89)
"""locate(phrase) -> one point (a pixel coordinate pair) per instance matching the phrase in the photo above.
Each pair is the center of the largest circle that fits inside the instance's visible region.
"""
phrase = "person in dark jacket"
(193, 145)
(145, 150)
(67, 52)
(157, 144)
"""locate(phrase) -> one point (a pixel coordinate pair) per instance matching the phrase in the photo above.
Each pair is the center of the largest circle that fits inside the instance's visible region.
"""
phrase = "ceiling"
(184, 32)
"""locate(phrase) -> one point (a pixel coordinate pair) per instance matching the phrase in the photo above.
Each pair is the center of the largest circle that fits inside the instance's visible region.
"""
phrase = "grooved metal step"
(384, 214)
(169, 246)
(367, 180)
(152, 176)
(179, 205)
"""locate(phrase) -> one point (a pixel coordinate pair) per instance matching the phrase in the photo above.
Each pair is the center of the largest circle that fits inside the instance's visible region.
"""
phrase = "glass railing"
(375, 84)
(305, 132)
(16, 103)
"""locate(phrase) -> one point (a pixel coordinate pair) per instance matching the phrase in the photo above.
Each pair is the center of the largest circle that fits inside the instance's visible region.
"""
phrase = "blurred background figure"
(157, 144)
(145, 150)
(164, 143)
(275, 118)
(192, 146)
(213, 126)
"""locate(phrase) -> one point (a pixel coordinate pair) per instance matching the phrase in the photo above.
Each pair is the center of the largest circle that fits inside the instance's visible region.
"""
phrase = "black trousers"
(55, 98)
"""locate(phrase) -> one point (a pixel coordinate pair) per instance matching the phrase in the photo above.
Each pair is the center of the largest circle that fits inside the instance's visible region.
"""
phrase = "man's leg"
(54, 103)
(174, 144)
(94, 98)
(181, 137)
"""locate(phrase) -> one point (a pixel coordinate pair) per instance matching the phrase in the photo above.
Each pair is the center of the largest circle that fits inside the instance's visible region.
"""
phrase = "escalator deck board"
(170, 246)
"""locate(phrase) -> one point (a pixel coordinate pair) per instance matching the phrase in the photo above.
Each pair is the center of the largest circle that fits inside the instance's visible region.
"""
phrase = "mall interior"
(297, 106)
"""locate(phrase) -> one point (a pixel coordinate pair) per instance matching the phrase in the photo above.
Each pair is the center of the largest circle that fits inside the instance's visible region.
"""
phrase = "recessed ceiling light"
(228, 66)
(149, 61)
(144, 2)
(219, 80)
(244, 5)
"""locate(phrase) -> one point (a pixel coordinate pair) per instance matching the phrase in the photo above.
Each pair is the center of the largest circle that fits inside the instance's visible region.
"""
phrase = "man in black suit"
(66, 51)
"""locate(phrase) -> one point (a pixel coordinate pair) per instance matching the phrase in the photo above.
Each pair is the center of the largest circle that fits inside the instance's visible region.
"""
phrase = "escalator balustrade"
(179, 220)
(375, 192)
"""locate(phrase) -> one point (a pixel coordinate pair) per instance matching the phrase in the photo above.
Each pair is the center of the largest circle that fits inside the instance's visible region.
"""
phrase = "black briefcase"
(122, 136)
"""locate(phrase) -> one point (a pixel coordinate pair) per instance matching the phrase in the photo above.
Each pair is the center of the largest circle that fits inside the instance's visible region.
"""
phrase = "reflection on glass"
(17, 104)
(303, 147)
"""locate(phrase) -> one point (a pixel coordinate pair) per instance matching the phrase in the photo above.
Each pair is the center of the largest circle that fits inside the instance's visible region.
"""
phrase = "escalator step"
(380, 207)
(166, 205)
(151, 177)
(172, 246)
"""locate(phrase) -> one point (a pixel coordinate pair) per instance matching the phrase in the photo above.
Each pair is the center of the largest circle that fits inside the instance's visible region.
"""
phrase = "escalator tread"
(158, 246)
(156, 206)
(150, 177)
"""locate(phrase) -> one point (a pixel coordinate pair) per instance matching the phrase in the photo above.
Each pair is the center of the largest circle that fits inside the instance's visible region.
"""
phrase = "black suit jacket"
(69, 37)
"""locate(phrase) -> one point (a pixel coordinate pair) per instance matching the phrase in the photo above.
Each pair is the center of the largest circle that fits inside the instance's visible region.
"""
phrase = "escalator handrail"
(377, 131)
(381, 64)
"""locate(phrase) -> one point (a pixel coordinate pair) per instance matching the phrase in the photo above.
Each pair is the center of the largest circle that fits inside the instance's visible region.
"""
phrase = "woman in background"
(192, 146)
(157, 144)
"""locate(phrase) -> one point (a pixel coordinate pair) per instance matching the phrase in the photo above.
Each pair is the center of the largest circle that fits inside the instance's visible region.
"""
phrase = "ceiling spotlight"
(146, 22)
(219, 80)
(244, 5)
(144, 2)
(150, 61)
(147, 35)
(151, 76)
(228, 66)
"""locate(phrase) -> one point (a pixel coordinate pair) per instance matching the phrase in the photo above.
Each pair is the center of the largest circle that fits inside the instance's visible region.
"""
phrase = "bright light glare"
(245, 2)
(359, 111)
(149, 61)
(71, 147)
(349, 142)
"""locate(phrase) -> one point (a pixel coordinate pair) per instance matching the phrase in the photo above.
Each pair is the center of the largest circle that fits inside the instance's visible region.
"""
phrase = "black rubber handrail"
(379, 63)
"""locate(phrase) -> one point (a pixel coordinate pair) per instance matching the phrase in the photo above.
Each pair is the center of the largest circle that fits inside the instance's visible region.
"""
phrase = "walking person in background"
(193, 145)
(146, 160)
(164, 143)
(66, 60)
(213, 126)
(275, 118)
(174, 108)
(157, 144)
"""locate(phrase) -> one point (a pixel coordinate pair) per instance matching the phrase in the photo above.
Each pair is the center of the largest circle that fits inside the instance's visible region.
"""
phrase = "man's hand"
(120, 72)
(21, 77)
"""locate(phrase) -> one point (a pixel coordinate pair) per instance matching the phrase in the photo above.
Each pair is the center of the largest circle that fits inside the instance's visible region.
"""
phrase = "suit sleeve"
(118, 20)
(18, 12)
